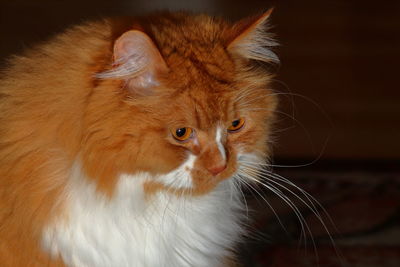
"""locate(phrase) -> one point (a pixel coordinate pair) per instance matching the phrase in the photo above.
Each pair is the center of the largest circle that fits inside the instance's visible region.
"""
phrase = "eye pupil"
(235, 123)
(180, 132)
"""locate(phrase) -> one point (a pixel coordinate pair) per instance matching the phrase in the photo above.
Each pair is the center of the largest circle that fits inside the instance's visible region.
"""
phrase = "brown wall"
(339, 61)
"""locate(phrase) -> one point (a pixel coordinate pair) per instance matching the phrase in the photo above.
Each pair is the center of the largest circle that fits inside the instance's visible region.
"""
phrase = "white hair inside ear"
(253, 42)
(136, 60)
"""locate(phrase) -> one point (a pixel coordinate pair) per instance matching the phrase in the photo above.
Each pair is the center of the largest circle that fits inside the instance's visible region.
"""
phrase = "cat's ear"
(249, 39)
(136, 60)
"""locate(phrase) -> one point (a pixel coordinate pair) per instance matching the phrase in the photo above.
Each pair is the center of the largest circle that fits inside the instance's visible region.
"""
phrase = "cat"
(122, 141)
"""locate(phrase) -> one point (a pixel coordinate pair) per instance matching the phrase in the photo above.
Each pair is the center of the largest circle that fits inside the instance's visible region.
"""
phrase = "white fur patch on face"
(249, 158)
(221, 148)
(132, 230)
(248, 165)
(179, 178)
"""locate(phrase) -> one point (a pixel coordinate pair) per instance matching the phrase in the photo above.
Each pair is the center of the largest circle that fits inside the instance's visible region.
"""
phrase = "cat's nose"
(216, 169)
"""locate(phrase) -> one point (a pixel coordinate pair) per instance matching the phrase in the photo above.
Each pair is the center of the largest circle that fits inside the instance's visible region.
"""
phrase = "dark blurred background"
(339, 118)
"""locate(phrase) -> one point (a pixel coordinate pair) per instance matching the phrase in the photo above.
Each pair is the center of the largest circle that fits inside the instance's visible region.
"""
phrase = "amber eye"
(182, 134)
(236, 125)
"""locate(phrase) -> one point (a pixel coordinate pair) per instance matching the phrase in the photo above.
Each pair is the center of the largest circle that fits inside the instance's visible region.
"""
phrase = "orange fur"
(53, 111)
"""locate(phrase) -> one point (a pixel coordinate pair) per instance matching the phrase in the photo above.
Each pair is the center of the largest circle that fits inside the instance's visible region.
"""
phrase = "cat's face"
(192, 109)
(207, 133)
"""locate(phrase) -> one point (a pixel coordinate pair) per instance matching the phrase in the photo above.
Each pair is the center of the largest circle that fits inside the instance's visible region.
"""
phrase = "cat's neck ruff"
(132, 229)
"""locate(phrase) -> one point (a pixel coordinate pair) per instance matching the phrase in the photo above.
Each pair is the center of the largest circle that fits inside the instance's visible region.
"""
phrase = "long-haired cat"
(121, 141)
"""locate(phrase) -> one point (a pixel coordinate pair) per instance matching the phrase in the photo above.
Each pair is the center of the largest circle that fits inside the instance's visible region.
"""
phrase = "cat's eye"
(236, 125)
(182, 134)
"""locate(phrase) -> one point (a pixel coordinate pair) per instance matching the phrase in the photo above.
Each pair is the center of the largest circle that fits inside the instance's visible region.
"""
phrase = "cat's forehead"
(201, 109)
(180, 31)
(194, 48)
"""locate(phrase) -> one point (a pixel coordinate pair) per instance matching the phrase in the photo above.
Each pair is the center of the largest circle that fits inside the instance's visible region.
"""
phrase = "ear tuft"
(136, 60)
(251, 41)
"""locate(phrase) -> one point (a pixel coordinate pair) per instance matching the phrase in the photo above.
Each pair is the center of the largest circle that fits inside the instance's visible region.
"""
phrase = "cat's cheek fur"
(134, 230)
(179, 178)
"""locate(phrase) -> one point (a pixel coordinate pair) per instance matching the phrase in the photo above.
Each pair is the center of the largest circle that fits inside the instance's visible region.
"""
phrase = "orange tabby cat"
(121, 141)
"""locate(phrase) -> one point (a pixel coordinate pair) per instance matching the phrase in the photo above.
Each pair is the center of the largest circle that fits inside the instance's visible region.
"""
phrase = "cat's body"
(93, 169)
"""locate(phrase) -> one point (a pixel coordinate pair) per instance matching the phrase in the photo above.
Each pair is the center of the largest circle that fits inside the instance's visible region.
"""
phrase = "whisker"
(244, 199)
(294, 165)
(246, 93)
(283, 166)
(249, 101)
(265, 200)
(281, 195)
(302, 221)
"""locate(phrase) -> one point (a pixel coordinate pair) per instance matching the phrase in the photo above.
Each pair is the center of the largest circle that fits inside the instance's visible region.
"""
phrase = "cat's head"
(185, 99)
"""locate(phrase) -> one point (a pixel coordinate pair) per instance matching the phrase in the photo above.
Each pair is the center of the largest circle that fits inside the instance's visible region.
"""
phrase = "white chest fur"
(130, 230)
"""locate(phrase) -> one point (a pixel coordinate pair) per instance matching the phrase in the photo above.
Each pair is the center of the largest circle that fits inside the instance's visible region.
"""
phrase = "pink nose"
(215, 170)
